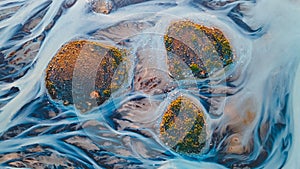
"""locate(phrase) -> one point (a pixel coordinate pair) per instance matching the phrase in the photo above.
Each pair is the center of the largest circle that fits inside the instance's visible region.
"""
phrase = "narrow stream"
(246, 105)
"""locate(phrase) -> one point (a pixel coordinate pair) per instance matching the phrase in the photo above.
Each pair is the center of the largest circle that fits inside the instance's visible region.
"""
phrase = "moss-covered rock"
(183, 126)
(205, 50)
(87, 67)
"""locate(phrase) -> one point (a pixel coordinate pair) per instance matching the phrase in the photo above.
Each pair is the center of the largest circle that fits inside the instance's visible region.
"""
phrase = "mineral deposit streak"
(148, 84)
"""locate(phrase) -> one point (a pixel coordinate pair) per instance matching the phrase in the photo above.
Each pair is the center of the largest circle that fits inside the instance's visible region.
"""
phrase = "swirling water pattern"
(250, 117)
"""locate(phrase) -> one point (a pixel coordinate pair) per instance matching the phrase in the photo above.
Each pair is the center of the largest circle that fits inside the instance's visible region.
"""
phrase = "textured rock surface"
(183, 126)
(205, 50)
(82, 73)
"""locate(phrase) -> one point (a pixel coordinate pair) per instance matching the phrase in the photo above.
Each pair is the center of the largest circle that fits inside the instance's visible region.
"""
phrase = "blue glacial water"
(251, 110)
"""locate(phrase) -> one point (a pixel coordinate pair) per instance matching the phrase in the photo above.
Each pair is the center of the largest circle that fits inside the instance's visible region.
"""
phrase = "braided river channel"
(138, 84)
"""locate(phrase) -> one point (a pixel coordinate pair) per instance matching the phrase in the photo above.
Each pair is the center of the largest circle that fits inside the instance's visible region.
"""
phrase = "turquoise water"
(248, 107)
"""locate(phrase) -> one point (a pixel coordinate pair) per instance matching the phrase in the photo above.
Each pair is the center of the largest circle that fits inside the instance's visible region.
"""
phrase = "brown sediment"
(235, 145)
(92, 65)
(8, 12)
(19, 56)
(205, 50)
(102, 6)
(183, 126)
(19, 60)
(107, 6)
(120, 32)
(239, 119)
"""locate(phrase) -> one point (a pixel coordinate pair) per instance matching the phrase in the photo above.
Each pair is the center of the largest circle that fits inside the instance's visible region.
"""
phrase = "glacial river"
(56, 113)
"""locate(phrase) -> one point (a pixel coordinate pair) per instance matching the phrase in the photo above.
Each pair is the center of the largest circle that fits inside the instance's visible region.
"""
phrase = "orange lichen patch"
(81, 73)
(183, 126)
(94, 94)
(205, 50)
